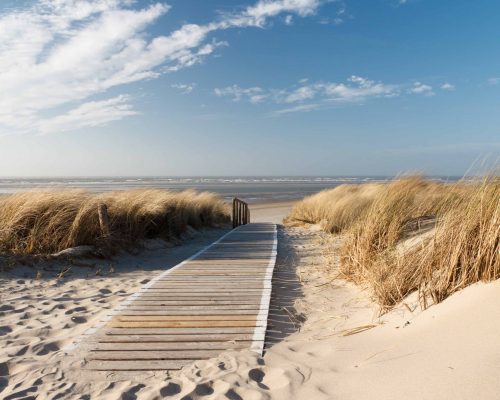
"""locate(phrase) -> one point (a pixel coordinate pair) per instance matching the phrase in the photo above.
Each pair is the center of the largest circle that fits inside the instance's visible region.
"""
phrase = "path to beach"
(214, 301)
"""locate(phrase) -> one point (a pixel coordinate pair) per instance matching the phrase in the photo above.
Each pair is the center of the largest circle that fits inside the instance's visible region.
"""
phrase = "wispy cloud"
(60, 54)
(422, 88)
(236, 93)
(307, 96)
(448, 86)
(355, 89)
(184, 88)
(494, 81)
(93, 113)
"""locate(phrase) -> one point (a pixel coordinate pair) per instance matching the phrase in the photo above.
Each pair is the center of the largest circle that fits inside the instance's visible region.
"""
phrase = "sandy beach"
(325, 339)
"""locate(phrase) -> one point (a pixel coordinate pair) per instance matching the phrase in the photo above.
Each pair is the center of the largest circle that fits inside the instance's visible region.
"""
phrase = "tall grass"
(458, 227)
(335, 209)
(45, 222)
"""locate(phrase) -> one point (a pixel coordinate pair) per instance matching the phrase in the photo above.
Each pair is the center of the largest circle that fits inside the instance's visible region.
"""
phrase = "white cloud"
(288, 19)
(301, 94)
(421, 88)
(183, 87)
(59, 53)
(236, 93)
(355, 89)
(90, 114)
(494, 81)
(299, 108)
(448, 86)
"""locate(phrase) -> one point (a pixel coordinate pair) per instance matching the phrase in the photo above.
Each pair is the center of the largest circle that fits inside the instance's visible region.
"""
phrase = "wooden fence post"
(102, 210)
(241, 213)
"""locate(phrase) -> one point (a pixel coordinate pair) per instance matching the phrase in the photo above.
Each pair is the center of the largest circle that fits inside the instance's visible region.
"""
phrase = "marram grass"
(44, 222)
(457, 227)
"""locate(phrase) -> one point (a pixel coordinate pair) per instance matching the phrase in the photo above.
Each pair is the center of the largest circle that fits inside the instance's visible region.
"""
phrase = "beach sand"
(326, 339)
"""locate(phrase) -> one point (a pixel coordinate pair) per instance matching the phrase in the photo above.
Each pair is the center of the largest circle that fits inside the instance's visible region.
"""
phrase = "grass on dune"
(45, 222)
(335, 209)
(457, 227)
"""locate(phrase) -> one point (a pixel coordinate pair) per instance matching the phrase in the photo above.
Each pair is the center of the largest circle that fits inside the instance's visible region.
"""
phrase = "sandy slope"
(343, 350)
(38, 317)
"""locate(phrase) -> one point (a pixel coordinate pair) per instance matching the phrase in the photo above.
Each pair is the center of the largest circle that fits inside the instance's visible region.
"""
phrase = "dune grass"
(334, 209)
(457, 227)
(44, 222)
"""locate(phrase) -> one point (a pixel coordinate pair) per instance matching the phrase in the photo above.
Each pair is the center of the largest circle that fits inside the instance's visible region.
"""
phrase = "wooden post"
(234, 213)
(102, 210)
(241, 213)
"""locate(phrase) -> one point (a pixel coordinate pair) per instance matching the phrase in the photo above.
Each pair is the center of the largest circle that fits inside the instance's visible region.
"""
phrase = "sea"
(252, 189)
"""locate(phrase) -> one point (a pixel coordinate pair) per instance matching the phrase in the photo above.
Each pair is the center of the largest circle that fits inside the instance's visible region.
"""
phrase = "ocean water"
(251, 189)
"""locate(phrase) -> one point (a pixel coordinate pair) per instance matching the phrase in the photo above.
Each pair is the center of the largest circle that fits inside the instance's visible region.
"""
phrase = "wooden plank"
(207, 337)
(206, 289)
(196, 302)
(179, 331)
(138, 365)
(173, 346)
(186, 318)
(152, 355)
(200, 307)
(198, 296)
(181, 324)
(129, 312)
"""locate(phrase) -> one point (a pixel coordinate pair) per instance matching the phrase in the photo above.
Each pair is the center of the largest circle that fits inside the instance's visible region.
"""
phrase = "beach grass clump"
(414, 235)
(45, 222)
(335, 209)
(424, 236)
(466, 246)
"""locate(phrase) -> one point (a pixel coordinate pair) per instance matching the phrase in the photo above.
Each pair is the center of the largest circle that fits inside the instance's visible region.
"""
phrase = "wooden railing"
(241, 213)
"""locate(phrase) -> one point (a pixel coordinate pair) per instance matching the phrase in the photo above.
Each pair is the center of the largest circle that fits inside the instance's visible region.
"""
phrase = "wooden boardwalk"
(215, 301)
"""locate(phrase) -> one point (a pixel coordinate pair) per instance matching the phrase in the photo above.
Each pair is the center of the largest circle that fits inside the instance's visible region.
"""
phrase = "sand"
(326, 338)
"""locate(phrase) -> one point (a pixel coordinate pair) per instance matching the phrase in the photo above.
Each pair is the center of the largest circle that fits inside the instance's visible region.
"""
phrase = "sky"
(261, 87)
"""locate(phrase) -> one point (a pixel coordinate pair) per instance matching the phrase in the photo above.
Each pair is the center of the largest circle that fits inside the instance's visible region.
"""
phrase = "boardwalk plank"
(173, 346)
(217, 301)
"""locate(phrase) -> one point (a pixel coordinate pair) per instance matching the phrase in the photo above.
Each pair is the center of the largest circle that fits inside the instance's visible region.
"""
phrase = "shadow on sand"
(283, 319)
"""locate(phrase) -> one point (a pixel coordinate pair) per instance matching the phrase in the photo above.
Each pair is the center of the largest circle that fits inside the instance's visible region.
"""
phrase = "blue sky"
(276, 87)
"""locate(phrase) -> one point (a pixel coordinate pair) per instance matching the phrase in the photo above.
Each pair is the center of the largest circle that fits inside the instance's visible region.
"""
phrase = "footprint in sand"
(76, 309)
(232, 395)
(131, 393)
(42, 349)
(170, 390)
(203, 390)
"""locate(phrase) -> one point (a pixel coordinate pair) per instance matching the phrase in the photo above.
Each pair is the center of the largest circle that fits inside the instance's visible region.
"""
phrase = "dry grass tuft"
(335, 209)
(413, 234)
(50, 221)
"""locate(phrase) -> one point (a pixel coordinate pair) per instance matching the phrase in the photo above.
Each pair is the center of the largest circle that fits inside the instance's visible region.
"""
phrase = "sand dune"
(326, 338)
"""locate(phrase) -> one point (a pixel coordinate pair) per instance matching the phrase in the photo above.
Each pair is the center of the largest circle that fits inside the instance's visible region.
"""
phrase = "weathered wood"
(181, 324)
(102, 211)
(138, 365)
(186, 318)
(200, 312)
(241, 215)
(193, 302)
(152, 355)
(201, 308)
(215, 302)
(178, 339)
(178, 331)
(173, 346)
